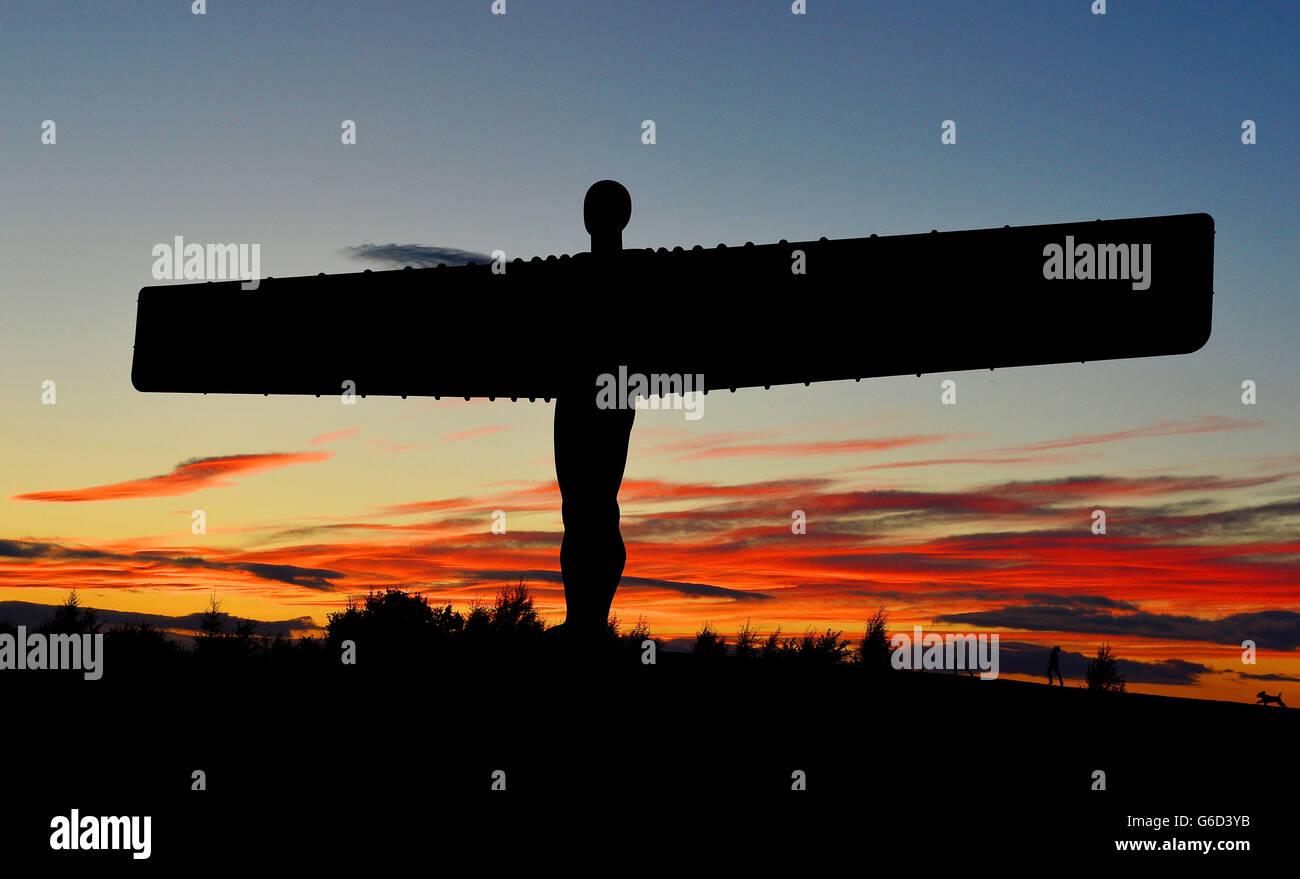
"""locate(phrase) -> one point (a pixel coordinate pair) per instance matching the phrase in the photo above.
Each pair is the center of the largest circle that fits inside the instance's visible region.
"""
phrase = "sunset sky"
(481, 132)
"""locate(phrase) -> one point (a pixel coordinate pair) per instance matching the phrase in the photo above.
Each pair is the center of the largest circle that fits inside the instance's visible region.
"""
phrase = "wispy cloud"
(417, 255)
(330, 437)
(829, 447)
(1203, 424)
(1003, 553)
(476, 432)
(1270, 629)
(1034, 453)
(152, 562)
(188, 476)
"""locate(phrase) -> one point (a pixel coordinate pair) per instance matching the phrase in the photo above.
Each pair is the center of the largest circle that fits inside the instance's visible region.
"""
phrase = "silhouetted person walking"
(1054, 667)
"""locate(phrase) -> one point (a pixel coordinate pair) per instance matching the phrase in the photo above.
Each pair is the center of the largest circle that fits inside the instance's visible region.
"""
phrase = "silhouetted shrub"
(709, 644)
(398, 627)
(140, 646)
(392, 627)
(216, 647)
(828, 648)
(398, 630)
(478, 619)
(515, 611)
(746, 642)
(773, 647)
(70, 618)
(632, 642)
(212, 621)
(808, 649)
(874, 650)
(1103, 672)
(639, 632)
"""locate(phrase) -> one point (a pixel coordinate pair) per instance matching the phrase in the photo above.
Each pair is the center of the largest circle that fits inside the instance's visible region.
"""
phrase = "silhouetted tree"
(746, 642)
(874, 650)
(811, 648)
(773, 647)
(396, 627)
(446, 620)
(630, 643)
(709, 644)
(1103, 672)
(306, 652)
(341, 625)
(211, 621)
(141, 646)
(515, 611)
(213, 644)
(828, 648)
(401, 627)
(638, 633)
(478, 619)
(71, 618)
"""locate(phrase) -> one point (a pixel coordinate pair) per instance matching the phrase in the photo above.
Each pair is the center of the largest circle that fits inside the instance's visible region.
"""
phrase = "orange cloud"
(1169, 568)
(188, 477)
(338, 434)
(476, 432)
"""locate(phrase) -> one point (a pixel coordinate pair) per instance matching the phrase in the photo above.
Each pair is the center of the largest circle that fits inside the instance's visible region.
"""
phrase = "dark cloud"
(1078, 600)
(1269, 629)
(1031, 659)
(26, 613)
(692, 590)
(311, 578)
(416, 255)
(1177, 521)
(1268, 677)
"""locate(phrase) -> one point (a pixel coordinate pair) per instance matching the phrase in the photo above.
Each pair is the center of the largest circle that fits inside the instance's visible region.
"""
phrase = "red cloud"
(981, 458)
(664, 491)
(1100, 486)
(188, 477)
(964, 549)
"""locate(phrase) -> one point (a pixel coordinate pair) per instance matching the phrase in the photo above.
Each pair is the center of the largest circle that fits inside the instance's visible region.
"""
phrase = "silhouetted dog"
(1265, 698)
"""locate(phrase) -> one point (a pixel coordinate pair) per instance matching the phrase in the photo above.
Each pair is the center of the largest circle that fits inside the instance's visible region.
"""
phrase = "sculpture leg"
(590, 454)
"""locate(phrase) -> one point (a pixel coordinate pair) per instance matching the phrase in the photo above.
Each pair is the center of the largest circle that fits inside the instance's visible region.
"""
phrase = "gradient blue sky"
(482, 132)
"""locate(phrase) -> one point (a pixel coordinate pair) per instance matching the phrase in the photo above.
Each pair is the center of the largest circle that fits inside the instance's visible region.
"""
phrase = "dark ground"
(686, 758)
